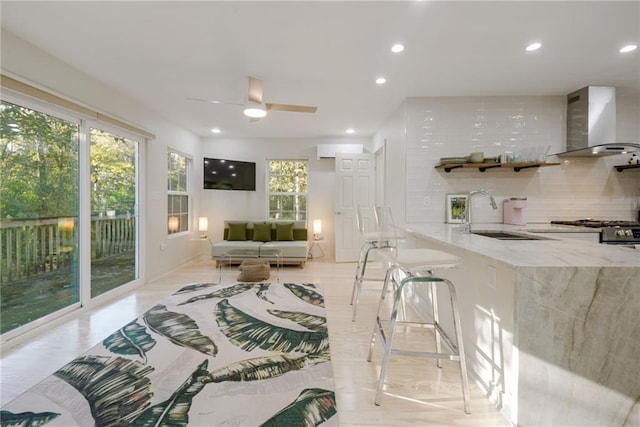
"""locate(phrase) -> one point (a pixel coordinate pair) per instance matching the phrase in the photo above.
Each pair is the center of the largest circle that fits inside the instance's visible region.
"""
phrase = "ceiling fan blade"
(255, 90)
(292, 108)
(213, 101)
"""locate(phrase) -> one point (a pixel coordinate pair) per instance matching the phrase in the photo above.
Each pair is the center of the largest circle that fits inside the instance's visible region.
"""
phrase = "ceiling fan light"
(255, 111)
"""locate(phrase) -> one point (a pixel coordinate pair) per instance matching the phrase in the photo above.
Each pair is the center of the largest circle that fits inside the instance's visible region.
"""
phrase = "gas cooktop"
(598, 223)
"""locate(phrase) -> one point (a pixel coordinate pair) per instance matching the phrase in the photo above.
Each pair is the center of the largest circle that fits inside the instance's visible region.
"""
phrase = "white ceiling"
(328, 54)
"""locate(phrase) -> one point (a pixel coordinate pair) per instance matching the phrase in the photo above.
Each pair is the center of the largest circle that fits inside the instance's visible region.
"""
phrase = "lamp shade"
(174, 223)
(317, 226)
(203, 223)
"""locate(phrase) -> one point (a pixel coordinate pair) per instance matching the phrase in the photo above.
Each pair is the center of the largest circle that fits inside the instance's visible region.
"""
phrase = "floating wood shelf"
(517, 167)
(620, 168)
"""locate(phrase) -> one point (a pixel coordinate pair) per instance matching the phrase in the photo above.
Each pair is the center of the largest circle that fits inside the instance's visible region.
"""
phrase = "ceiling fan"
(255, 109)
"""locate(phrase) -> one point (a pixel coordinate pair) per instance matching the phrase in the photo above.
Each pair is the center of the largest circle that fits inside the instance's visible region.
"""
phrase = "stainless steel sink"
(505, 235)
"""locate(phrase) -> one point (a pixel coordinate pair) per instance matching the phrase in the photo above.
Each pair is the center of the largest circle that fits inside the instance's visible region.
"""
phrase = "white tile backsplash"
(456, 126)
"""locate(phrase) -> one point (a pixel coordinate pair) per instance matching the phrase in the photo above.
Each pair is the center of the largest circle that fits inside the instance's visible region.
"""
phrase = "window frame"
(186, 193)
(270, 193)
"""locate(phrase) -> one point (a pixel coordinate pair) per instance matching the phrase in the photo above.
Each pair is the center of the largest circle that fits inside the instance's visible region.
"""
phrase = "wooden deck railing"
(29, 247)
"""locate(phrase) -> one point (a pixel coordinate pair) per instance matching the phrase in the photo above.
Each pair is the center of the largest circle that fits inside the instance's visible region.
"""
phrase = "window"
(287, 180)
(178, 193)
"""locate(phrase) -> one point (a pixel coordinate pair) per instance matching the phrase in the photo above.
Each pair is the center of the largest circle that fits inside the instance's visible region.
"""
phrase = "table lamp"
(317, 229)
(203, 226)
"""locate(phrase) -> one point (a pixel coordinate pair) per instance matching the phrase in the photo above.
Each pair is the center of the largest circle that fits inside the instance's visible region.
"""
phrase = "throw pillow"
(284, 231)
(262, 232)
(237, 231)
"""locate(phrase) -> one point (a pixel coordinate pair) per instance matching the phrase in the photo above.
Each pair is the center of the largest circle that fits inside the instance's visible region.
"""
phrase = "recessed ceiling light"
(349, 131)
(533, 46)
(381, 80)
(628, 48)
(397, 48)
(216, 130)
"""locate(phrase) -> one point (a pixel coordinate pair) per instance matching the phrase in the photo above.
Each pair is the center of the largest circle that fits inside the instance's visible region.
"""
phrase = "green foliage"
(39, 164)
(287, 189)
(177, 172)
(113, 173)
(288, 176)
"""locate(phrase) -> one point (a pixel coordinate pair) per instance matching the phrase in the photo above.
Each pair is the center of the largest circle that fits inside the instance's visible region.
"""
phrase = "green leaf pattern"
(120, 391)
(311, 408)
(262, 292)
(26, 419)
(193, 288)
(112, 386)
(130, 339)
(309, 321)
(179, 328)
(222, 293)
(305, 294)
(262, 368)
(248, 332)
(175, 410)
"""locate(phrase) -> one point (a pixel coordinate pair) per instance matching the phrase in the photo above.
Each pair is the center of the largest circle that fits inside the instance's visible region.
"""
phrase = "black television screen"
(221, 174)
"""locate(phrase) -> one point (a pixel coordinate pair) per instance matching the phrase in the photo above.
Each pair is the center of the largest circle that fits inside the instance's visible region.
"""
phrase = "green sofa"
(289, 237)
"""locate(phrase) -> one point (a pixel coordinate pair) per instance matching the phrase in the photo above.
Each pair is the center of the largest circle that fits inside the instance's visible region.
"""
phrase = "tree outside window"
(178, 193)
(287, 189)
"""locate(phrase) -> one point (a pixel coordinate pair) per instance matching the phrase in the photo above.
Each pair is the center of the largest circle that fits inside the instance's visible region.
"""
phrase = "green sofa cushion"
(284, 232)
(237, 231)
(262, 232)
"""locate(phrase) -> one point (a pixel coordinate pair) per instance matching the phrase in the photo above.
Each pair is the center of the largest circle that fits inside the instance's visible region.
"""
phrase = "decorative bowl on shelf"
(445, 160)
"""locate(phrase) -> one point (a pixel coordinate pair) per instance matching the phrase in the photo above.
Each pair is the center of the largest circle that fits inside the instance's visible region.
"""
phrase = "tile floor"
(416, 392)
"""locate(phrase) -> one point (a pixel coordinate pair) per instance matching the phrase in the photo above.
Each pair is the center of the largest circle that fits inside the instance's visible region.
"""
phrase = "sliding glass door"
(114, 222)
(38, 215)
(69, 225)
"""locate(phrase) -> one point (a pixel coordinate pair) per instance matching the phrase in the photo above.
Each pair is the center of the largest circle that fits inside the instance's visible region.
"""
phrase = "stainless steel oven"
(614, 232)
(621, 235)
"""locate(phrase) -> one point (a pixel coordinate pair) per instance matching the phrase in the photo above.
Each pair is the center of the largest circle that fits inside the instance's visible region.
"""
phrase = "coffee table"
(241, 254)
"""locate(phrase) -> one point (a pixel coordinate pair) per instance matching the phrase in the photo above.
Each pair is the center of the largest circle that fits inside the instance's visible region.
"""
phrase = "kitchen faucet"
(465, 226)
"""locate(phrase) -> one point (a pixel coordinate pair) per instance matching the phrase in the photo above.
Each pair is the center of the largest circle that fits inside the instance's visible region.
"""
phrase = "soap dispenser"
(512, 212)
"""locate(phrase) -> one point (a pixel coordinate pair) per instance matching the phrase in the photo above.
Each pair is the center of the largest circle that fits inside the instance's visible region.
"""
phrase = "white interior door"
(355, 185)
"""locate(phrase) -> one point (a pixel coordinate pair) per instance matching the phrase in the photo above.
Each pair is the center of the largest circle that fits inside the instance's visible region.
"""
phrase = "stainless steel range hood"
(591, 124)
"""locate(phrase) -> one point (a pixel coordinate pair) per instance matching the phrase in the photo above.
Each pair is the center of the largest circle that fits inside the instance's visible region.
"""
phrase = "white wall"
(25, 61)
(220, 205)
(456, 126)
(392, 137)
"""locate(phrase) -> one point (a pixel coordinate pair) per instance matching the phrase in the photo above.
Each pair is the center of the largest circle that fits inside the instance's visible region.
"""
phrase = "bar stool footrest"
(427, 355)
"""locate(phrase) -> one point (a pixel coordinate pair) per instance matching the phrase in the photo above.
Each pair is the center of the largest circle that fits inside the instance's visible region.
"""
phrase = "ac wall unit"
(329, 151)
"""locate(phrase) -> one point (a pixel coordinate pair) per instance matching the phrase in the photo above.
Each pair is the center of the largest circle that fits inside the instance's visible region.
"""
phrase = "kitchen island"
(551, 326)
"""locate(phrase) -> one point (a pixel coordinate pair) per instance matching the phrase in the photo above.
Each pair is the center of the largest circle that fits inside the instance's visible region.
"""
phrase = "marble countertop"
(547, 252)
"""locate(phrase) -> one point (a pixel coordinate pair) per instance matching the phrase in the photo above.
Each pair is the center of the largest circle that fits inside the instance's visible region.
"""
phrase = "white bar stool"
(372, 241)
(412, 268)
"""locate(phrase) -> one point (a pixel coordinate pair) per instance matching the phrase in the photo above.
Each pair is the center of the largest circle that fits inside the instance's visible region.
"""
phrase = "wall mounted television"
(223, 174)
